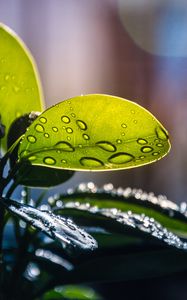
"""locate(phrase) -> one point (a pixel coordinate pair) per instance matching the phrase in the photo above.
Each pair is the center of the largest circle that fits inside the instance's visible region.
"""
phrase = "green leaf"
(94, 132)
(20, 90)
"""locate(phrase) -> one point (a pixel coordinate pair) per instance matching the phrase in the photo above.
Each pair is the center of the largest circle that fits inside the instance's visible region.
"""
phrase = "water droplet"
(65, 146)
(80, 145)
(7, 77)
(49, 160)
(142, 141)
(63, 161)
(106, 146)
(146, 149)
(82, 125)
(121, 158)
(132, 111)
(65, 119)
(32, 158)
(160, 145)
(123, 134)
(155, 153)
(161, 134)
(135, 121)
(46, 135)
(73, 115)
(91, 162)
(118, 141)
(31, 139)
(39, 128)
(142, 157)
(16, 89)
(68, 138)
(43, 120)
(69, 130)
(123, 125)
(55, 129)
(85, 136)
(63, 127)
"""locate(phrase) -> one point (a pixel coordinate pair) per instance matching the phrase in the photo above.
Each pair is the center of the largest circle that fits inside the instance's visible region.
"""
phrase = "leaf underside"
(94, 132)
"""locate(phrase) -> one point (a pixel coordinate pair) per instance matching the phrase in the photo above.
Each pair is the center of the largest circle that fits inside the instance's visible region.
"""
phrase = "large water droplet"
(49, 160)
(106, 146)
(91, 162)
(65, 119)
(121, 158)
(65, 146)
(43, 120)
(161, 134)
(69, 130)
(85, 136)
(39, 128)
(141, 141)
(31, 139)
(146, 149)
(82, 125)
(55, 129)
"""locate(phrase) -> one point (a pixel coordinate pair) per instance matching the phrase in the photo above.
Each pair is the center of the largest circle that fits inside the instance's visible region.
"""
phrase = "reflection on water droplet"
(73, 115)
(69, 130)
(161, 133)
(85, 136)
(43, 120)
(123, 125)
(63, 161)
(91, 162)
(65, 119)
(142, 141)
(65, 146)
(82, 125)
(146, 149)
(39, 128)
(106, 146)
(55, 129)
(49, 160)
(31, 139)
(118, 141)
(160, 145)
(46, 135)
(155, 153)
(32, 158)
(121, 158)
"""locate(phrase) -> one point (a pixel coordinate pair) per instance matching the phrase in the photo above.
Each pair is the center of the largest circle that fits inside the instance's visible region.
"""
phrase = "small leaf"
(94, 132)
(20, 90)
(56, 227)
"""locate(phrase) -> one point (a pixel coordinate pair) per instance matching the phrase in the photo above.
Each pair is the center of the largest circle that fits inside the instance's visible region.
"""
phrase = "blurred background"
(136, 49)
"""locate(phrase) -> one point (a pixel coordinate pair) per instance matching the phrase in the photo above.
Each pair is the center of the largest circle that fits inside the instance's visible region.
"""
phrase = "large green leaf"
(20, 90)
(95, 132)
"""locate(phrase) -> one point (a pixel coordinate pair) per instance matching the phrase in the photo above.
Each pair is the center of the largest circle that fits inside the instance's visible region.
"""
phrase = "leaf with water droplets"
(56, 227)
(95, 132)
(20, 90)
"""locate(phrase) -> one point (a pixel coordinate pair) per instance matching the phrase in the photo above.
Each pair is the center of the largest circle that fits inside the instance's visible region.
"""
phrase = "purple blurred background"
(136, 49)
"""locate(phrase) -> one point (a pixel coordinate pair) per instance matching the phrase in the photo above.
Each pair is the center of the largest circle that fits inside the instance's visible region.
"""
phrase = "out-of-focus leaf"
(94, 132)
(56, 227)
(20, 90)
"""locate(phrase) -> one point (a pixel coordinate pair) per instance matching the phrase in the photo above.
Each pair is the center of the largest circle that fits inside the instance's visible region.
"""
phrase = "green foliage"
(94, 132)
(20, 90)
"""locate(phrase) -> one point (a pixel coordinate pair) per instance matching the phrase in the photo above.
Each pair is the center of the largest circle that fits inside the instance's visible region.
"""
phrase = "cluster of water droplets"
(56, 227)
(138, 221)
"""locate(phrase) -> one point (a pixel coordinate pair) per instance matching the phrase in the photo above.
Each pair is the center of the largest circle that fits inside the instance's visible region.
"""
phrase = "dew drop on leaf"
(85, 136)
(121, 158)
(65, 146)
(49, 160)
(43, 120)
(32, 158)
(123, 125)
(155, 153)
(82, 125)
(46, 135)
(160, 145)
(91, 162)
(161, 134)
(39, 128)
(118, 141)
(63, 161)
(65, 119)
(31, 139)
(55, 129)
(106, 146)
(69, 130)
(141, 141)
(146, 149)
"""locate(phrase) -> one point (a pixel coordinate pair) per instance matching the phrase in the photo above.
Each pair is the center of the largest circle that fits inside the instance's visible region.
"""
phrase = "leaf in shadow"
(56, 227)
